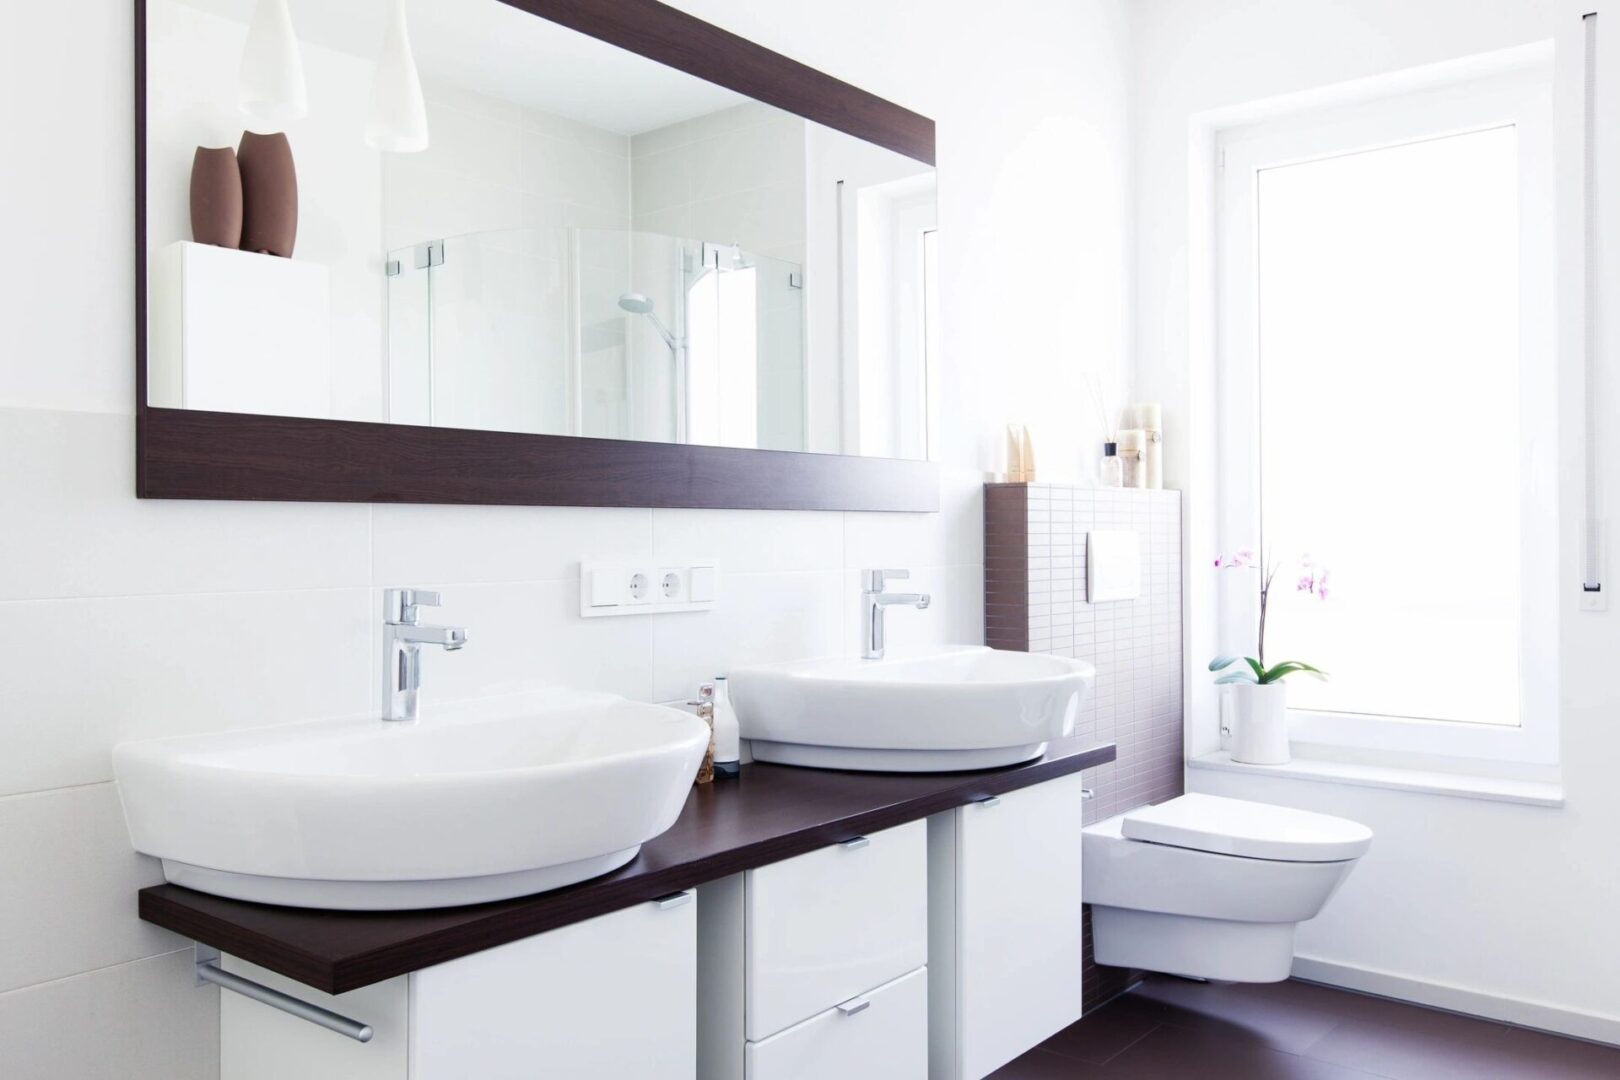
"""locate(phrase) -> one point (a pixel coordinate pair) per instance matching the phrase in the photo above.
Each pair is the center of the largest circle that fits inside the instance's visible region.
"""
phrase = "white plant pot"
(1259, 721)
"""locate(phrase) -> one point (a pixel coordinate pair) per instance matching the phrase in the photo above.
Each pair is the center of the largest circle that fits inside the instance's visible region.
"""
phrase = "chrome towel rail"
(1595, 538)
(210, 972)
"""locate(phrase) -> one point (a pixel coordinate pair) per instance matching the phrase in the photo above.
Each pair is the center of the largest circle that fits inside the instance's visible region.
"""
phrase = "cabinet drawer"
(882, 1035)
(828, 925)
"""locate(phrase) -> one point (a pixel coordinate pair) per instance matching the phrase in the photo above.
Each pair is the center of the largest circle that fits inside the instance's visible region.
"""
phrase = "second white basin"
(936, 710)
(485, 801)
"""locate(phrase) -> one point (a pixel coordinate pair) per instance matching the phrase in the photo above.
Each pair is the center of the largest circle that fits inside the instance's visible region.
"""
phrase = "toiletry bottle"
(1015, 454)
(1131, 442)
(1149, 417)
(1109, 472)
(704, 708)
(727, 740)
(1026, 455)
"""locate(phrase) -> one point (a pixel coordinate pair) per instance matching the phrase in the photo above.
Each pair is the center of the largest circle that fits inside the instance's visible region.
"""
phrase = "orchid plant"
(1313, 581)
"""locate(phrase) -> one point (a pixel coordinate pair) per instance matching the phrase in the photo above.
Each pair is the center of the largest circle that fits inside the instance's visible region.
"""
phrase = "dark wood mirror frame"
(187, 454)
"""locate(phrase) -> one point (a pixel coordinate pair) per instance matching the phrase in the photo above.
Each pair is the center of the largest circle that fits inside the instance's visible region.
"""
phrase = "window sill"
(1424, 781)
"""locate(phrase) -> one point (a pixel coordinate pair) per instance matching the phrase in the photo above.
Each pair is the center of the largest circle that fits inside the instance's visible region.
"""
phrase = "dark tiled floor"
(1167, 1029)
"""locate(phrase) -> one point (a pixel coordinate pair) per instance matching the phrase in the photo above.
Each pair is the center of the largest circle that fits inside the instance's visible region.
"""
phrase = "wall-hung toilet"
(1212, 887)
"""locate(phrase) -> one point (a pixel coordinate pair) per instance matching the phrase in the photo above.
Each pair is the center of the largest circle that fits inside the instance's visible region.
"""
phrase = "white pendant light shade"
(397, 121)
(271, 82)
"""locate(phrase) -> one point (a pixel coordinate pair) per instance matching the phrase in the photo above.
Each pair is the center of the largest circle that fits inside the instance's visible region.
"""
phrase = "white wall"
(1499, 908)
(121, 619)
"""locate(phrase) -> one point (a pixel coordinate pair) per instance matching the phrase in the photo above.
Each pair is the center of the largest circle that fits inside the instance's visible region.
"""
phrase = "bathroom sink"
(936, 710)
(499, 798)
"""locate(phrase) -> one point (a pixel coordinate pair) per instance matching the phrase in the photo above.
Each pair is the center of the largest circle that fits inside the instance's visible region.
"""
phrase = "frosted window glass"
(1388, 330)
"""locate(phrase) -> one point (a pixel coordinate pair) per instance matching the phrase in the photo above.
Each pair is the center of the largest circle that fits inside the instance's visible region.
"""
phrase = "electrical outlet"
(672, 586)
(638, 588)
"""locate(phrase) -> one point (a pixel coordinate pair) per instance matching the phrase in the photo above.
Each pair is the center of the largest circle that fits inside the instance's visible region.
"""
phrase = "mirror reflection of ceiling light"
(270, 84)
(397, 120)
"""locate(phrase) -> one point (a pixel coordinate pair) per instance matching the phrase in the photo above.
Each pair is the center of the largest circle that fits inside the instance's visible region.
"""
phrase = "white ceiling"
(495, 49)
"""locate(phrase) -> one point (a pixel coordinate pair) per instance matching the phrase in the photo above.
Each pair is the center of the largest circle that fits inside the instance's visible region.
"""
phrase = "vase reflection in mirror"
(216, 197)
(269, 194)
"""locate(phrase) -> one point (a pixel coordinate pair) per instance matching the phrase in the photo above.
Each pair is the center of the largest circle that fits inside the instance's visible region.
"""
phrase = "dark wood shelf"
(772, 812)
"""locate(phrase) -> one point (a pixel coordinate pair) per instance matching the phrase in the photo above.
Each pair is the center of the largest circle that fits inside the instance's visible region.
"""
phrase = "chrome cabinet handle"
(1087, 793)
(673, 900)
(855, 843)
(988, 801)
(855, 1005)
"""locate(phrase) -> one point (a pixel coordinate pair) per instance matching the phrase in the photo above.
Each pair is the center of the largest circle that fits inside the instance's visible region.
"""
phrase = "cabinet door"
(612, 998)
(882, 1035)
(1017, 925)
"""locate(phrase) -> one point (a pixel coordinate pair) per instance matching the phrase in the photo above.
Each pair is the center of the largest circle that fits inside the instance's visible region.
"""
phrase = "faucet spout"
(874, 602)
(448, 638)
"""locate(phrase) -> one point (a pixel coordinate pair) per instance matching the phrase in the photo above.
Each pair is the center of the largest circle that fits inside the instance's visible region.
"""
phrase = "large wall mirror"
(607, 254)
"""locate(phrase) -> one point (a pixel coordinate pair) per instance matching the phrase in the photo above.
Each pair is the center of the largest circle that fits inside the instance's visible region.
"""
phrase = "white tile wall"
(734, 176)
(143, 1020)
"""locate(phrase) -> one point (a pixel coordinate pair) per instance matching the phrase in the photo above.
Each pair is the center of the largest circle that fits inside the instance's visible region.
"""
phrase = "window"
(1388, 403)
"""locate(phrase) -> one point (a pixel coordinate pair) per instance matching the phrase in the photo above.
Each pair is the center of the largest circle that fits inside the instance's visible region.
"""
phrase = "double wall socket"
(648, 589)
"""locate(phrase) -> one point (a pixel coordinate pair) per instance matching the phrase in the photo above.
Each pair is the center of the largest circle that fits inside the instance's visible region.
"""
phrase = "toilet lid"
(1250, 829)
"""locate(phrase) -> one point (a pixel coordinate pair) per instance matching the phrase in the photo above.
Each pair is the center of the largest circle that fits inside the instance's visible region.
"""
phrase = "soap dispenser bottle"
(727, 734)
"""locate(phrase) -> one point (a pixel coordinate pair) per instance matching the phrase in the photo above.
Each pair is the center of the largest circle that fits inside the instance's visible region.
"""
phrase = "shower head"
(641, 304)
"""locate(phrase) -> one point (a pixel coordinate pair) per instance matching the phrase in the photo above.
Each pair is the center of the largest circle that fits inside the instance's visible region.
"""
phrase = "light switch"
(607, 586)
(701, 590)
(1113, 565)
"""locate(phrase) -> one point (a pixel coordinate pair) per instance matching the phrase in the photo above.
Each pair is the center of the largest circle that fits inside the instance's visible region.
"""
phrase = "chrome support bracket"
(430, 254)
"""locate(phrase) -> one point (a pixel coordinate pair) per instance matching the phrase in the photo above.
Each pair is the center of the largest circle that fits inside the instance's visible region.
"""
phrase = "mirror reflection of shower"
(641, 304)
(603, 333)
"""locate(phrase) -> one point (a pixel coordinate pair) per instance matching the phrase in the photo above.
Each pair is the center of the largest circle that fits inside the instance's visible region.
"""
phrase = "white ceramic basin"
(939, 710)
(495, 799)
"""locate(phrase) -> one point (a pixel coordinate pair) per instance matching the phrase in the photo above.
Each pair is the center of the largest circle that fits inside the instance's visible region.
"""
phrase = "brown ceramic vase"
(216, 197)
(269, 194)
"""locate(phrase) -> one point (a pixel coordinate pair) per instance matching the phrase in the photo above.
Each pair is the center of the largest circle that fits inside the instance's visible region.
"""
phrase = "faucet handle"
(874, 580)
(401, 605)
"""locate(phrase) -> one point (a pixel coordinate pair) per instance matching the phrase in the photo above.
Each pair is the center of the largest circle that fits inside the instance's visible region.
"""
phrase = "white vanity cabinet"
(1005, 939)
(816, 966)
(610, 998)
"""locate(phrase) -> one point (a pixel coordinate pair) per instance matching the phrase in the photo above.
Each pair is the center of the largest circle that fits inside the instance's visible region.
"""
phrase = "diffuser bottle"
(1111, 472)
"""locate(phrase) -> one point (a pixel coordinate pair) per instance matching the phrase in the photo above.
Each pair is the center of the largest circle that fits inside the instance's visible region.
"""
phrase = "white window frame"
(1522, 98)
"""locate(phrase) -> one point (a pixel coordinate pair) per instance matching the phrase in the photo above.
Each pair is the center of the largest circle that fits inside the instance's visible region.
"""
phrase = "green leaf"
(1276, 672)
(1235, 677)
(1259, 672)
(1222, 661)
(1288, 667)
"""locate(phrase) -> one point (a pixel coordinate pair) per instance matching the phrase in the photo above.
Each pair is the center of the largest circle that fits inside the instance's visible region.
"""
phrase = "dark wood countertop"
(772, 812)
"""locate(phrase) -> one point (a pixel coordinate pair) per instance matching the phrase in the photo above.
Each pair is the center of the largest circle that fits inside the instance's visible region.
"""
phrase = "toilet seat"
(1247, 829)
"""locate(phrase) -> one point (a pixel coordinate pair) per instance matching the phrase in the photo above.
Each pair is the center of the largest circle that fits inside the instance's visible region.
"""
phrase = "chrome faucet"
(873, 602)
(403, 638)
